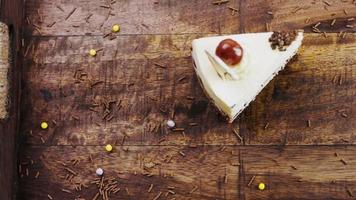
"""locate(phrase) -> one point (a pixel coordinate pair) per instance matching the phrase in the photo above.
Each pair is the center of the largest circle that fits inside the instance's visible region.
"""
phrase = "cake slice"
(233, 69)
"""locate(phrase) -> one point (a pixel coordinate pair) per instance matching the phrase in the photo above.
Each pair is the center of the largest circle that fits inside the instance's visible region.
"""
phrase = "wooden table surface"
(298, 136)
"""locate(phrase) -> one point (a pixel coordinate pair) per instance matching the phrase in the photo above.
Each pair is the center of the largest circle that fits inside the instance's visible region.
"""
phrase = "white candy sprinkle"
(171, 123)
(99, 172)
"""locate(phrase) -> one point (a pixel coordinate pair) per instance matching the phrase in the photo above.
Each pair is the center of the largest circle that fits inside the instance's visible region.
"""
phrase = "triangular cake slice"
(233, 78)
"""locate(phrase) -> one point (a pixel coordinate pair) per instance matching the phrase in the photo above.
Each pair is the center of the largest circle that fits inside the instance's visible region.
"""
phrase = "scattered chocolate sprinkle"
(52, 24)
(150, 189)
(96, 196)
(343, 161)
(178, 129)
(158, 196)
(40, 16)
(237, 134)
(316, 30)
(336, 154)
(343, 36)
(339, 35)
(317, 24)
(71, 13)
(37, 174)
(344, 115)
(88, 17)
(190, 98)
(159, 65)
(28, 21)
(193, 190)
(296, 9)
(251, 180)
(293, 167)
(333, 22)
(171, 192)
(182, 153)
(307, 20)
(349, 192)
(70, 171)
(96, 83)
(225, 177)
(266, 126)
(345, 11)
(327, 3)
(340, 79)
(105, 6)
(67, 191)
(219, 2)
(112, 37)
(161, 140)
(60, 8)
(233, 9)
(267, 27)
(324, 34)
(308, 123)
(37, 29)
(182, 78)
(75, 117)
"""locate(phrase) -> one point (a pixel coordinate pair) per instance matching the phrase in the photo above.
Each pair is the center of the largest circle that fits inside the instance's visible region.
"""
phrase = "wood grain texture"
(11, 13)
(298, 172)
(135, 168)
(285, 171)
(136, 17)
(290, 15)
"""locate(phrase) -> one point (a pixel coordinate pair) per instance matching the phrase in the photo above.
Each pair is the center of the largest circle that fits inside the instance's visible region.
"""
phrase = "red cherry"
(230, 52)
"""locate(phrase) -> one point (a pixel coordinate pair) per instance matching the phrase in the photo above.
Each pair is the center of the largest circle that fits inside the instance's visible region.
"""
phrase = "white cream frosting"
(260, 63)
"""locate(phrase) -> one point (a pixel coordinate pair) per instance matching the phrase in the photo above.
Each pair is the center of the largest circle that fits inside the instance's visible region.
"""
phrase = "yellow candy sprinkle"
(108, 148)
(115, 28)
(261, 186)
(44, 125)
(92, 52)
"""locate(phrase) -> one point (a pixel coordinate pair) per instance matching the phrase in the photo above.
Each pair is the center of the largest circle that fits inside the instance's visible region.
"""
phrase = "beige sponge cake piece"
(259, 65)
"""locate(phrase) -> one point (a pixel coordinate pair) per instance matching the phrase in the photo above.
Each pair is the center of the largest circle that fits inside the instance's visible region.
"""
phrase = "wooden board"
(201, 17)
(289, 134)
(11, 13)
(305, 172)
(181, 170)
(291, 15)
(299, 172)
